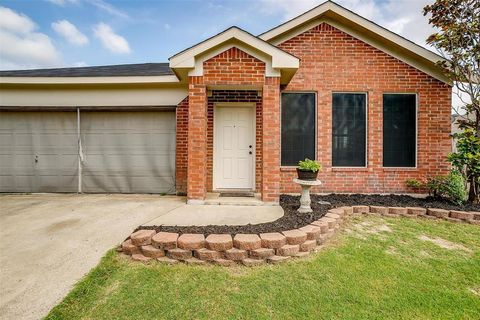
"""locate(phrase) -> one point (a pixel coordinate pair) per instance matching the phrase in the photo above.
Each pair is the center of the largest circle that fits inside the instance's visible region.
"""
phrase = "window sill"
(359, 169)
(288, 169)
(400, 169)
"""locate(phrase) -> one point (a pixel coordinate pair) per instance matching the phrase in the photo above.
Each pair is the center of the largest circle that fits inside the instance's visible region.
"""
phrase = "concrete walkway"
(204, 215)
(50, 241)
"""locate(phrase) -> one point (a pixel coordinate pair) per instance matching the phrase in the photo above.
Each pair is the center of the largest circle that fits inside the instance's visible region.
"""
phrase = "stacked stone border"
(256, 249)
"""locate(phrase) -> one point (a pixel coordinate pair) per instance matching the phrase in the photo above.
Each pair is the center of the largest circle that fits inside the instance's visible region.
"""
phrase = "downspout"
(80, 152)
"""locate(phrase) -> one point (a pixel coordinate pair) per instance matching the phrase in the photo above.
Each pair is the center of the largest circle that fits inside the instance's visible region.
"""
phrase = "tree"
(457, 39)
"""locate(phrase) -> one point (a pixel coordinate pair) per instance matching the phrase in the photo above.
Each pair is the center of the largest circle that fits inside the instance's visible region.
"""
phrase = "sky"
(64, 33)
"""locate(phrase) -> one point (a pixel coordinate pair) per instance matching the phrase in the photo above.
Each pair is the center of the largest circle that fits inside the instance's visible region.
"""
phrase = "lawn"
(376, 268)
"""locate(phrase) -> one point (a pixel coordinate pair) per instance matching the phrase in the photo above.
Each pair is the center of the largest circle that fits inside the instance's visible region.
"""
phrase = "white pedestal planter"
(305, 200)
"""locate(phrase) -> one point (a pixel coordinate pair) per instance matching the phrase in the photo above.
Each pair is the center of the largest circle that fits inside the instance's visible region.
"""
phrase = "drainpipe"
(80, 152)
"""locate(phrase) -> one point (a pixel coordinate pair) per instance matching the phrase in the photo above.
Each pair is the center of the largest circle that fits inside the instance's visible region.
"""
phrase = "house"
(236, 111)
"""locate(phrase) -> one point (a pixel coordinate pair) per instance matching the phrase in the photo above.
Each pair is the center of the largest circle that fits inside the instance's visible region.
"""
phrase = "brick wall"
(334, 61)
(234, 67)
(181, 157)
(235, 96)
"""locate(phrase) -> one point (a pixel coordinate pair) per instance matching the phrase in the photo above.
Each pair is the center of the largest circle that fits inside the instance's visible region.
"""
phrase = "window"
(349, 129)
(399, 130)
(298, 127)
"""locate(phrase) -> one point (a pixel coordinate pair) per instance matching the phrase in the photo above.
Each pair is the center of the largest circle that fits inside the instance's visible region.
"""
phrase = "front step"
(216, 199)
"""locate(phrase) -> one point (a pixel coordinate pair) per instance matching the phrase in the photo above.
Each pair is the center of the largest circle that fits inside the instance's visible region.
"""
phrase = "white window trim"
(416, 131)
(366, 130)
(316, 125)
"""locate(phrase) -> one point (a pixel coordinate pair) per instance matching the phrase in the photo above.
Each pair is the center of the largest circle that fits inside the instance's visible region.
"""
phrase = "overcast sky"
(59, 33)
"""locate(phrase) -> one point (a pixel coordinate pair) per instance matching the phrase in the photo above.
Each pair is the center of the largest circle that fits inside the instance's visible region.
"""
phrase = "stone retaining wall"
(256, 249)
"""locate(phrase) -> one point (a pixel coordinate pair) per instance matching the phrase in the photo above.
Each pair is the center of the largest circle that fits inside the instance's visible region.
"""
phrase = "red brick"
(165, 240)
(152, 252)
(142, 237)
(331, 222)
(414, 211)
(190, 241)
(313, 232)
(308, 245)
(129, 248)
(261, 253)
(236, 254)
(397, 210)
(379, 210)
(247, 241)
(219, 242)
(208, 255)
(277, 259)
(462, 215)
(273, 240)
(323, 225)
(288, 250)
(439, 213)
(140, 257)
(179, 254)
(361, 209)
(295, 236)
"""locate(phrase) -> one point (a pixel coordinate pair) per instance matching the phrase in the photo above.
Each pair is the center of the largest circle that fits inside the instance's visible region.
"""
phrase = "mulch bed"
(293, 220)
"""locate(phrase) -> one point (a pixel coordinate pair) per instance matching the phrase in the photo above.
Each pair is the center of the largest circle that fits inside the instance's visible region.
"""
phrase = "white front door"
(234, 147)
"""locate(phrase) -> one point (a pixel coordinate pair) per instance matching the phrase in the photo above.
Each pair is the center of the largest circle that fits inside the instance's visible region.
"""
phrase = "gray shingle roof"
(121, 70)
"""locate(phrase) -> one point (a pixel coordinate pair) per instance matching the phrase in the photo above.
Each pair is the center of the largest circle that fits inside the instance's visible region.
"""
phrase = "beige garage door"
(38, 152)
(121, 152)
(128, 152)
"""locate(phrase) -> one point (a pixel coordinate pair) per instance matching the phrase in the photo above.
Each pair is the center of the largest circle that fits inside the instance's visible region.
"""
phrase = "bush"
(451, 187)
(414, 183)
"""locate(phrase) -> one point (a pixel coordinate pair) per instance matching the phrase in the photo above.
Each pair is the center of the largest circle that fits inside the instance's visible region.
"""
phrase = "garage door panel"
(128, 152)
(38, 152)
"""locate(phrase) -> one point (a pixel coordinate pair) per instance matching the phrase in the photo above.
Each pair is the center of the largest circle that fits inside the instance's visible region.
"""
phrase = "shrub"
(309, 165)
(451, 187)
(414, 183)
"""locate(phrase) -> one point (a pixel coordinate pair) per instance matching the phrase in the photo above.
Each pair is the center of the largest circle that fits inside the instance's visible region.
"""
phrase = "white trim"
(330, 6)
(416, 131)
(252, 106)
(90, 80)
(359, 27)
(366, 129)
(316, 124)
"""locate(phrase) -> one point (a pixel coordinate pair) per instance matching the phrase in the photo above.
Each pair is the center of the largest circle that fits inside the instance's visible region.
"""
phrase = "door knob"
(249, 152)
(250, 146)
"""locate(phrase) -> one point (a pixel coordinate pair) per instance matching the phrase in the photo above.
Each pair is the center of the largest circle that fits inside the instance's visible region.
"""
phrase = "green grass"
(367, 272)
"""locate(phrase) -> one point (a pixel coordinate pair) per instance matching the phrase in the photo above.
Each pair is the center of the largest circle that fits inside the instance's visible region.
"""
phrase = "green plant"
(451, 187)
(466, 161)
(413, 183)
(309, 165)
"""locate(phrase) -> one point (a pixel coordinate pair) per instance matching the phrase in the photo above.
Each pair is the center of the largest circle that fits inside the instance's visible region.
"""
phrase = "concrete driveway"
(48, 242)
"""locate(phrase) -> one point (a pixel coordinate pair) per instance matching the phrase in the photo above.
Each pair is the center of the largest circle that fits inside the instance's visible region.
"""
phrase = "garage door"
(128, 152)
(125, 152)
(38, 152)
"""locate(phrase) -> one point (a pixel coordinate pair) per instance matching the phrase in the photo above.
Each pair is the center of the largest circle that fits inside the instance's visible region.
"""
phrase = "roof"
(362, 29)
(120, 70)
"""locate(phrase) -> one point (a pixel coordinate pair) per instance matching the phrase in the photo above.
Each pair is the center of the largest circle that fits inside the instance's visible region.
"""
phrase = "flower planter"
(307, 175)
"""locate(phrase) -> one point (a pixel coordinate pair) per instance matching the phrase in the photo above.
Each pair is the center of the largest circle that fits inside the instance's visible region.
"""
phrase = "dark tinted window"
(349, 129)
(298, 127)
(399, 130)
